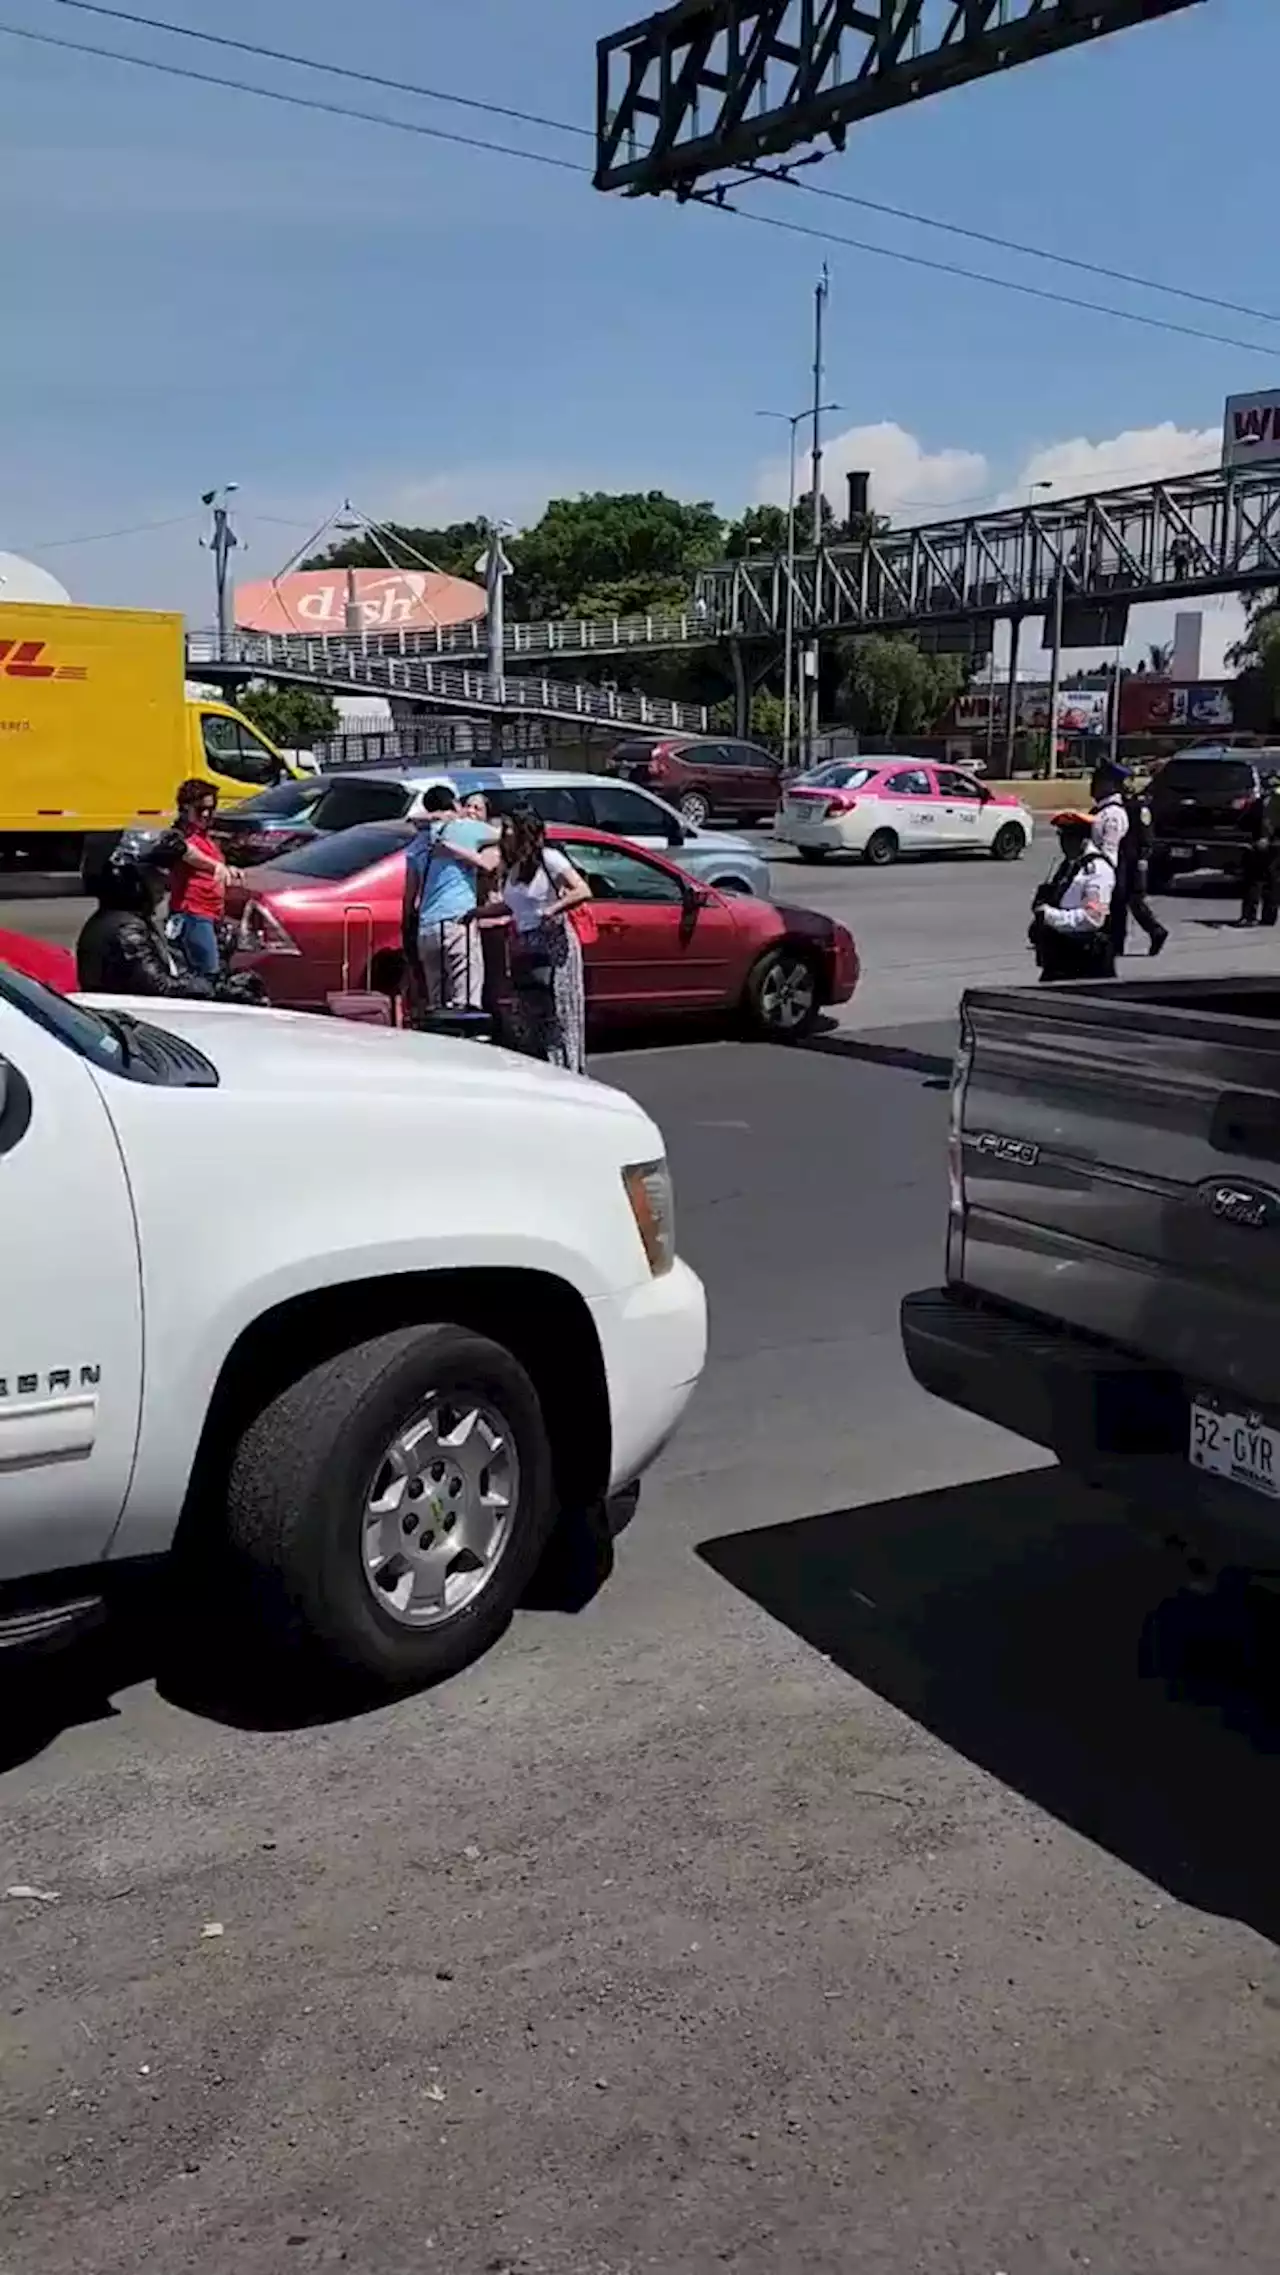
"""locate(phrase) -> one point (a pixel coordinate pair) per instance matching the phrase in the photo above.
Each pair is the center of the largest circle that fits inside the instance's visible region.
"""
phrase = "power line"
(105, 536)
(297, 102)
(1032, 252)
(332, 70)
(570, 166)
(451, 96)
(983, 276)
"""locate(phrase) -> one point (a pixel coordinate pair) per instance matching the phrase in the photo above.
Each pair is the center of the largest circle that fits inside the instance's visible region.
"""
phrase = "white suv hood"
(279, 1052)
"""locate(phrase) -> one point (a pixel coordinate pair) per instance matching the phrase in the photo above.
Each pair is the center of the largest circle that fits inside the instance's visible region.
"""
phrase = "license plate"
(1237, 1446)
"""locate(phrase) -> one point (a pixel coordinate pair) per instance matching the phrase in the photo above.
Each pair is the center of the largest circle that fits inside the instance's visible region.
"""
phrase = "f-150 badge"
(1019, 1150)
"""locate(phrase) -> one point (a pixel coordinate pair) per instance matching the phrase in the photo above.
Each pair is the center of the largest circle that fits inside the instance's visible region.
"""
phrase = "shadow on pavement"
(935, 1065)
(205, 1668)
(1023, 1624)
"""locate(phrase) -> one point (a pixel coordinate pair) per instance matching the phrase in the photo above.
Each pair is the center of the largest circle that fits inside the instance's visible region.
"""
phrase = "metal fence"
(343, 667)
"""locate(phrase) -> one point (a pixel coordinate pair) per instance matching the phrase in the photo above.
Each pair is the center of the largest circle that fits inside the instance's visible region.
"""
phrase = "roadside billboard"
(1251, 429)
(1081, 710)
(358, 600)
(1165, 706)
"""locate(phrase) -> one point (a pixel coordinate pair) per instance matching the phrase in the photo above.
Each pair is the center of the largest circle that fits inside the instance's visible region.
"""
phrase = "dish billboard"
(358, 600)
(1251, 429)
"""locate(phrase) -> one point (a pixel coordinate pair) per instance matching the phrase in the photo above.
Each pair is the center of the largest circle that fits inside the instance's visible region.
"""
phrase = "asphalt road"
(878, 1874)
(924, 930)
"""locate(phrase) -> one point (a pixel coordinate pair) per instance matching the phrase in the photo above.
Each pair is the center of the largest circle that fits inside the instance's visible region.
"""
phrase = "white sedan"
(884, 807)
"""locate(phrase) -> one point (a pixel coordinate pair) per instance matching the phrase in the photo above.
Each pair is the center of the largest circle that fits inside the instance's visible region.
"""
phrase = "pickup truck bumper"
(1109, 1418)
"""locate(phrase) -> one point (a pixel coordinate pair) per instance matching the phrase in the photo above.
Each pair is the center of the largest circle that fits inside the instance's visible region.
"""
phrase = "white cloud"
(912, 483)
(907, 480)
(1140, 454)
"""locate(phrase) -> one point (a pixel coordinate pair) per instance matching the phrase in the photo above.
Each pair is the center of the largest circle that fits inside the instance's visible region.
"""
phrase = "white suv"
(444, 1309)
(581, 801)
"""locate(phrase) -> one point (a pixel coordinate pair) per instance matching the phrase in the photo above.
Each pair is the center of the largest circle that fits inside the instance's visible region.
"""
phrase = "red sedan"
(327, 917)
(39, 960)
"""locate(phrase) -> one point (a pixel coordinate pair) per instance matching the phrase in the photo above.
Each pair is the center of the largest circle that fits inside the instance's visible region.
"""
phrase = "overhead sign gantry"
(712, 84)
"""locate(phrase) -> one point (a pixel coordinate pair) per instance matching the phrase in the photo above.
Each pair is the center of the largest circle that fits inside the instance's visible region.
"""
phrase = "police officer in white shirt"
(1109, 820)
(1070, 925)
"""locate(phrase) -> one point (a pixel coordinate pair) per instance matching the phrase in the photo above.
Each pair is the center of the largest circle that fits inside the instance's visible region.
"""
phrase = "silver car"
(582, 801)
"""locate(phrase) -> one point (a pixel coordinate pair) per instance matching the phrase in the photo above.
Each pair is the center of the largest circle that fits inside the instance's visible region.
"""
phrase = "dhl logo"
(21, 659)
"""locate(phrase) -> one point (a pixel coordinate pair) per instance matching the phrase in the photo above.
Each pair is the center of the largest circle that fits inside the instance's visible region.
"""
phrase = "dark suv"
(1203, 805)
(703, 778)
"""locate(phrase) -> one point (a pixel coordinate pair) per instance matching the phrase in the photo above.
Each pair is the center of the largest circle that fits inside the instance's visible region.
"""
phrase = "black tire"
(813, 852)
(881, 848)
(1008, 844)
(730, 885)
(300, 1476)
(1159, 873)
(775, 978)
(694, 807)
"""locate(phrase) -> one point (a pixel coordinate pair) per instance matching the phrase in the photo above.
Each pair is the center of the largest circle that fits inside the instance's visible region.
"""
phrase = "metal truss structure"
(342, 667)
(712, 84)
(522, 643)
(1172, 540)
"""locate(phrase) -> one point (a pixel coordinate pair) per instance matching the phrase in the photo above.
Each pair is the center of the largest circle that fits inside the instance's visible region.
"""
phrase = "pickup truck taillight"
(955, 1130)
(262, 934)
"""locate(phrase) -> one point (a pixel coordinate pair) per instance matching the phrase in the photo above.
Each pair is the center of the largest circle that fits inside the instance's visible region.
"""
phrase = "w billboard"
(1251, 430)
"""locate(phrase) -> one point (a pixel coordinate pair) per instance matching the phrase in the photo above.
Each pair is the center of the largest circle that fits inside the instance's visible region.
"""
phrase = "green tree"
(761, 529)
(1255, 695)
(633, 553)
(454, 549)
(290, 717)
(890, 688)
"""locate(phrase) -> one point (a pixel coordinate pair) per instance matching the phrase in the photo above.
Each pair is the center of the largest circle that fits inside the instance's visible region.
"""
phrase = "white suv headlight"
(652, 1197)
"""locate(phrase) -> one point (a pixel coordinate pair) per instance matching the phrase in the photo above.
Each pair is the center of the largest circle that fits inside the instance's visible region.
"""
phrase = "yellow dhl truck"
(97, 730)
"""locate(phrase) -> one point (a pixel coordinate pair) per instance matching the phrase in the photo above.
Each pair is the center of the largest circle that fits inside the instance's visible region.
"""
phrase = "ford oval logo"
(1251, 1206)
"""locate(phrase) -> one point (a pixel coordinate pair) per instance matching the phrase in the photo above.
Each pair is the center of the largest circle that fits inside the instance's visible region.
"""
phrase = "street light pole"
(495, 568)
(793, 420)
(789, 612)
(820, 292)
(222, 542)
(1055, 668)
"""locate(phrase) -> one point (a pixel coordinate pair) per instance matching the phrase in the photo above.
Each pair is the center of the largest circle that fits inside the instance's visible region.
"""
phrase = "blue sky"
(208, 287)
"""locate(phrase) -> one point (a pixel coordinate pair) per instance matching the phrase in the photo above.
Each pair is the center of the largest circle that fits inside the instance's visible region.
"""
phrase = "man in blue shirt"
(442, 871)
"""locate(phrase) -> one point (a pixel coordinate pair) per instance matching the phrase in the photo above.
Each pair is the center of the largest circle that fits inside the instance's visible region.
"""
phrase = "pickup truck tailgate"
(1116, 1168)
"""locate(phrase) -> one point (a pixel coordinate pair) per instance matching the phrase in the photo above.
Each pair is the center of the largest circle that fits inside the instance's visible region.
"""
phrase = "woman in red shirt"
(198, 880)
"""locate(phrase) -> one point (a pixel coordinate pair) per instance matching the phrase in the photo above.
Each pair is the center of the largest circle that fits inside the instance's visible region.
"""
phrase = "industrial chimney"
(859, 487)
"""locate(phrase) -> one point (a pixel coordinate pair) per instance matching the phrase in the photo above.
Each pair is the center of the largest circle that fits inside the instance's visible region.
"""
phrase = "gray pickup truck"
(1113, 1247)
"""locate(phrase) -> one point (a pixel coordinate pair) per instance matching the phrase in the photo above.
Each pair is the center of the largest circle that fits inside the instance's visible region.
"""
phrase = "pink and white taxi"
(882, 808)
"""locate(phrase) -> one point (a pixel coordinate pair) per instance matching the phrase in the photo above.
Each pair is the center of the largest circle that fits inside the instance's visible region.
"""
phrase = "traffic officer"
(1071, 914)
(1130, 897)
(1109, 819)
(1260, 868)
